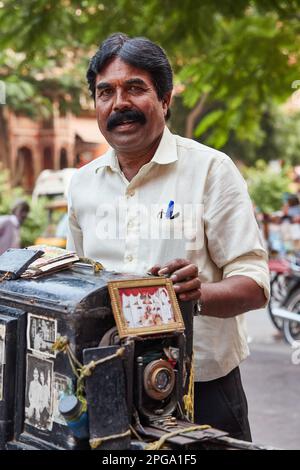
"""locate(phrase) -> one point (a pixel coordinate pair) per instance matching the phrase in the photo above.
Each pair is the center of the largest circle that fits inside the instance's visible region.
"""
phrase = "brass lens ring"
(159, 379)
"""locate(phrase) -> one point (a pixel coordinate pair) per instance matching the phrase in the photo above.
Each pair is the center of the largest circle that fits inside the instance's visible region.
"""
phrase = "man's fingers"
(184, 275)
(172, 266)
(193, 284)
(187, 272)
(154, 270)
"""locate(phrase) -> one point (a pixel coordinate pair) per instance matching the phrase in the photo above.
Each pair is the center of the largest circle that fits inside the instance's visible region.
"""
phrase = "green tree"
(266, 187)
(233, 82)
(286, 137)
(233, 57)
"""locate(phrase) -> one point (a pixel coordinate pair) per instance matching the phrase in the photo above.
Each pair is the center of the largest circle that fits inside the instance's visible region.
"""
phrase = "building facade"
(60, 142)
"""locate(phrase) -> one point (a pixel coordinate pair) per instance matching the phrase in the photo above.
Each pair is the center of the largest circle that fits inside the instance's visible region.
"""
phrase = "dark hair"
(138, 52)
(20, 203)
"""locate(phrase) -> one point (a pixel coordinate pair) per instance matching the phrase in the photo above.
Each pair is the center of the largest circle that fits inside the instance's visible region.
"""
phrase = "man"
(38, 342)
(34, 393)
(45, 400)
(10, 226)
(149, 184)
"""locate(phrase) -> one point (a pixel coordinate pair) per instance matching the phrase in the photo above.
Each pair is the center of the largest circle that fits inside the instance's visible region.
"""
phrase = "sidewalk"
(272, 385)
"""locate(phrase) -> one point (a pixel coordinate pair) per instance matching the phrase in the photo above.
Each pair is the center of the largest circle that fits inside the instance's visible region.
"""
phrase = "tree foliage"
(243, 54)
(266, 186)
(286, 138)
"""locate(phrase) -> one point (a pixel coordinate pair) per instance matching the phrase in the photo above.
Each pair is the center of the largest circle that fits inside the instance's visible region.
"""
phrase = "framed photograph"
(38, 396)
(41, 335)
(145, 306)
(62, 386)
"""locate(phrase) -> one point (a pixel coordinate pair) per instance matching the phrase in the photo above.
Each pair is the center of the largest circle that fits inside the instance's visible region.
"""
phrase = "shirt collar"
(109, 160)
(166, 153)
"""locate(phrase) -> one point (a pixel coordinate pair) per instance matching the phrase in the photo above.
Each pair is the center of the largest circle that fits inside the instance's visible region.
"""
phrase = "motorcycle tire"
(291, 329)
(278, 293)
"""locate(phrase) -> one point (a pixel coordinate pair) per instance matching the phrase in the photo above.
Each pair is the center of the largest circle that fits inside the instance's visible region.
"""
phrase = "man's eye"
(104, 93)
(135, 89)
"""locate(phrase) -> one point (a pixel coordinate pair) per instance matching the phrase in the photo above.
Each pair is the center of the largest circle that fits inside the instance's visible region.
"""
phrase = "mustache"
(132, 115)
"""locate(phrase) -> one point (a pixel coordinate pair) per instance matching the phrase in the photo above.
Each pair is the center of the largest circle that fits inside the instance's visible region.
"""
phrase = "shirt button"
(130, 224)
(129, 258)
(131, 193)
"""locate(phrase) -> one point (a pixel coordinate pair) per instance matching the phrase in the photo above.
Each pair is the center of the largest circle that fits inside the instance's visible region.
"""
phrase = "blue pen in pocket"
(169, 213)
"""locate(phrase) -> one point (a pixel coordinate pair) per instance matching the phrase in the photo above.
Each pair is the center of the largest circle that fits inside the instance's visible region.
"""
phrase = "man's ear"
(166, 101)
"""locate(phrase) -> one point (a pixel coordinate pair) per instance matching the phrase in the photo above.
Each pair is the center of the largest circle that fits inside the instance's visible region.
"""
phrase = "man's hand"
(184, 275)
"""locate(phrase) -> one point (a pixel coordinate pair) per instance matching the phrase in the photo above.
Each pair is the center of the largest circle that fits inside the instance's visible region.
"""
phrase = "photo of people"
(146, 306)
(38, 403)
(62, 386)
(2, 358)
(41, 334)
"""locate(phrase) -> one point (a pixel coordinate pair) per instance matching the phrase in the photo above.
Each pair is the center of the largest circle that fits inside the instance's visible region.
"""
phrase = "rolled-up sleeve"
(233, 237)
(253, 266)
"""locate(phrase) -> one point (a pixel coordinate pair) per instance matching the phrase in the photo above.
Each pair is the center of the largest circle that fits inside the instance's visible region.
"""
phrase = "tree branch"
(194, 115)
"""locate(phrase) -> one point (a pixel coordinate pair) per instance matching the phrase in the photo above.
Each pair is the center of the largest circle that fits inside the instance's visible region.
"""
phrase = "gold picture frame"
(145, 306)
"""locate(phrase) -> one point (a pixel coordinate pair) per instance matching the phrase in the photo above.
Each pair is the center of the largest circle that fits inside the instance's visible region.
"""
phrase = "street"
(272, 385)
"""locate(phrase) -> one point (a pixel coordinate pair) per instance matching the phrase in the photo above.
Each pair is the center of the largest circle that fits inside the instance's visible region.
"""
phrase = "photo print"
(38, 396)
(145, 306)
(41, 335)
(62, 386)
(2, 358)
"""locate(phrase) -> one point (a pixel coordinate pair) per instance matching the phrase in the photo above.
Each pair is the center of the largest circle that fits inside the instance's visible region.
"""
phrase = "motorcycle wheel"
(278, 293)
(291, 329)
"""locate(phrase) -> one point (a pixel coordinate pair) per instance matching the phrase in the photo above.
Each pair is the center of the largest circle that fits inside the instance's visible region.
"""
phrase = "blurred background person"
(276, 239)
(291, 210)
(10, 226)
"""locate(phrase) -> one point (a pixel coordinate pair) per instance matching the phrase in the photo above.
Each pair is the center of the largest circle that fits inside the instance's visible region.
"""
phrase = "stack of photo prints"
(44, 386)
(54, 259)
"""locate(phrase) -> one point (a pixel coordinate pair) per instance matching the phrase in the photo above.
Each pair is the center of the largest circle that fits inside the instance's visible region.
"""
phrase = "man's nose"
(121, 101)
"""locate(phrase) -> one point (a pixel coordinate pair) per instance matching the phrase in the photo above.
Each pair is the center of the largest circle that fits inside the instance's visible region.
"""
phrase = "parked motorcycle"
(284, 306)
(280, 276)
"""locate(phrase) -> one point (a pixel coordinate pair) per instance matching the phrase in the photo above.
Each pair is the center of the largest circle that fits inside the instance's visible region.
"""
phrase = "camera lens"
(162, 379)
(159, 379)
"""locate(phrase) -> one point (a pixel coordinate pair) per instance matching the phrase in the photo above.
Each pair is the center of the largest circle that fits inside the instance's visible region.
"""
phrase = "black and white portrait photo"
(41, 334)
(38, 398)
(62, 386)
(2, 358)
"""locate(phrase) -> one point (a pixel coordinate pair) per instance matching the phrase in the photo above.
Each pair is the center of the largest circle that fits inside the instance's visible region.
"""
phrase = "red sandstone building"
(61, 142)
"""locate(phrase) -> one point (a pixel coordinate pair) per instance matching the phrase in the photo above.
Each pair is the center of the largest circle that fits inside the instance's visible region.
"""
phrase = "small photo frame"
(145, 306)
(62, 386)
(38, 395)
(41, 335)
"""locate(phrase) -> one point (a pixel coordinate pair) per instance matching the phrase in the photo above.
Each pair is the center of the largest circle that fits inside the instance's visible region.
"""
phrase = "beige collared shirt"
(127, 226)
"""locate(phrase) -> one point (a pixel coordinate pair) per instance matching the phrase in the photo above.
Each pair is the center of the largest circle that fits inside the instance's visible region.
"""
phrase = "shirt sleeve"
(234, 241)
(74, 237)
(253, 266)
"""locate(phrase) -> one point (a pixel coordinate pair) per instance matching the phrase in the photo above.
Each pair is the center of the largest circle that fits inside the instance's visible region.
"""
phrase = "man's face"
(129, 113)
